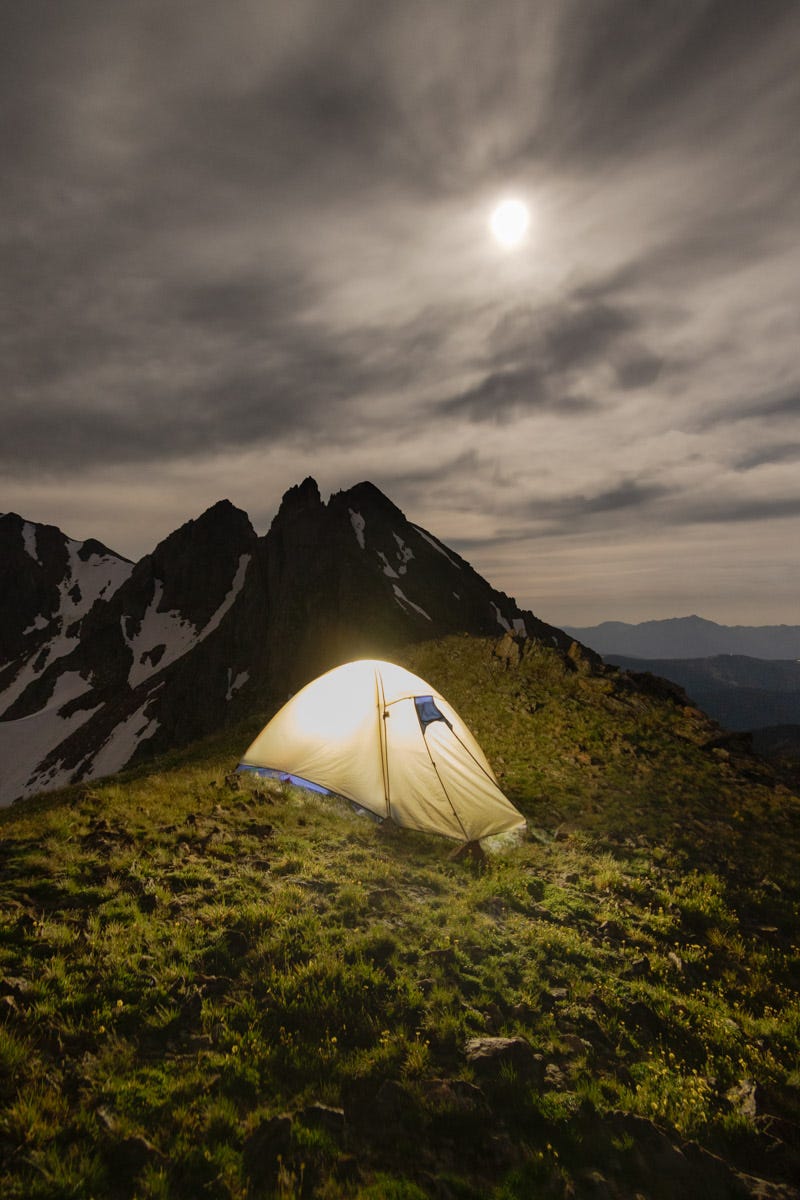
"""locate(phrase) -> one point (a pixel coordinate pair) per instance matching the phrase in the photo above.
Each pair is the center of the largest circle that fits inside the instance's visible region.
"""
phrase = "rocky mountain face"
(104, 663)
(741, 693)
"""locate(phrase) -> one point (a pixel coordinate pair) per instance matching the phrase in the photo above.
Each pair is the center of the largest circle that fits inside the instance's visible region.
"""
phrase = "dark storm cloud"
(572, 512)
(782, 452)
(715, 510)
(504, 395)
(757, 408)
(535, 354)
(630, 72)
(639, 371)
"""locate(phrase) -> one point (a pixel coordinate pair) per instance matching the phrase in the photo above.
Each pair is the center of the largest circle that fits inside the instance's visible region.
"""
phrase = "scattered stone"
(455, 1094)
(676, 961)
(508, 651)
(324, 1116)
(259, 829)
(743, 1097)
(15, 985)
(270, 1140)
(574, 1044)
(490, 1057)
(640, 968)
(554, 1078)
(553, 996)
(640, 1016)
(394, 1103)
(594, 1183)
(612, 931)
(579, 658)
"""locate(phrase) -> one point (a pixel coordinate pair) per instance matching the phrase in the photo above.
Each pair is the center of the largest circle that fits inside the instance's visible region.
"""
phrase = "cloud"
(261, 239)
(745, 509)
(780, 452)
(503, 395)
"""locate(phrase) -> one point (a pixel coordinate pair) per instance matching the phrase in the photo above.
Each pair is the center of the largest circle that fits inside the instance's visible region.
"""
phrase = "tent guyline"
(381, 737)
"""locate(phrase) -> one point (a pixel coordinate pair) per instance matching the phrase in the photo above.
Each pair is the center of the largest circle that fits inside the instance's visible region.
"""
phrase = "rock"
(270, 1140)
(455, 1094)
(640, 968)
(676, 961)
(580, 660)
(612, 931)
(574, 1044)
(324, 1116)
(554, 1078)
(743, 1097)
(662, 1168)
(554, 996)
(640, 1016)
(490, 1057)
(393, 1101)
(594, 1183)
(508, 651)
(13, 985)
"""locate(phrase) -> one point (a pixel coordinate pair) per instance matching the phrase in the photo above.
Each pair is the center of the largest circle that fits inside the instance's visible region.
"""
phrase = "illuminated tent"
(387, 741)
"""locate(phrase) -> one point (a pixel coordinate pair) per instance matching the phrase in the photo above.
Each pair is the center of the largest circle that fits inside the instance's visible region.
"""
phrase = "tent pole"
(383, 716)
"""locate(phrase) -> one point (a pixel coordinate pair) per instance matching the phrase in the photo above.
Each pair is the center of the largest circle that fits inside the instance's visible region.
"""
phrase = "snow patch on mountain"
(234, 685)
(436, 546)
(501, 621)
(119, 748)
(83, 583)
(406, 604)
(86, 581)
(164, 637)
(161, 638)
(388, 569)
(404, 553)
(39, 623)
(359, 524)
(26, 742)
(29, 539)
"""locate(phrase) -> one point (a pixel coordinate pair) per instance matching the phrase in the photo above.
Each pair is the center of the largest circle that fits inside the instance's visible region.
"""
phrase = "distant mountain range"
(104, 662)
(689, 637)
(739, 692)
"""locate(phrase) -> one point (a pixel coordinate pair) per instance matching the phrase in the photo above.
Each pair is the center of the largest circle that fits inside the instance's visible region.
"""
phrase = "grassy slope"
(183, 962)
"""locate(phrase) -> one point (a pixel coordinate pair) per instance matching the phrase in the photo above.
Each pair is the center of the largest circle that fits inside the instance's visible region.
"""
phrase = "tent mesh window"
(428, 712)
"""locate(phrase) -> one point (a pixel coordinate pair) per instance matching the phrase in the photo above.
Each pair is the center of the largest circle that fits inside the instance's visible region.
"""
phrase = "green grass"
(182, 963)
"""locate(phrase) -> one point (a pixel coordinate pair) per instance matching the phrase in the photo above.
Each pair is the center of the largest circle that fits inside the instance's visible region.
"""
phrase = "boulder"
(491, 1057)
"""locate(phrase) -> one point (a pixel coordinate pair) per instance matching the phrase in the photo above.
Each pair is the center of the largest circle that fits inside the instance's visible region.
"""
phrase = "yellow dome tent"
(387, 741)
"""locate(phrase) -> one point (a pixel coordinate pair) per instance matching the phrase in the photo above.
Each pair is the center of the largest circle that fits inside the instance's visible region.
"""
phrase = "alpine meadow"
(226, 986)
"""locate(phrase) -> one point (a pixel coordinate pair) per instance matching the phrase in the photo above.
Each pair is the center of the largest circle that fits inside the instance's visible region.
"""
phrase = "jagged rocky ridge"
(104, 663)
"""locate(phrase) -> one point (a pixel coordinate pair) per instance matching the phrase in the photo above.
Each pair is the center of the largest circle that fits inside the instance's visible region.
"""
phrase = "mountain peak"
(303, 497)
(367, 495)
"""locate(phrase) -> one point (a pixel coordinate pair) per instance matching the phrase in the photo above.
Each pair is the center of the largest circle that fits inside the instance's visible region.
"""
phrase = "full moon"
(509, 223)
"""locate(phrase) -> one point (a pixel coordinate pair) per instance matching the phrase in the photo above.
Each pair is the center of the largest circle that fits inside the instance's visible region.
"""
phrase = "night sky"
(244, 242)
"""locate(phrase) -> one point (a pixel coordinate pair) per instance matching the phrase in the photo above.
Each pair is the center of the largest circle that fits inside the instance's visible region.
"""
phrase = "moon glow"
(509, 223)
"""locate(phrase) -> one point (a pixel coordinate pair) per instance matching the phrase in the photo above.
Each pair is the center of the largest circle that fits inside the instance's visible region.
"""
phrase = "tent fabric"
(383, 738)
